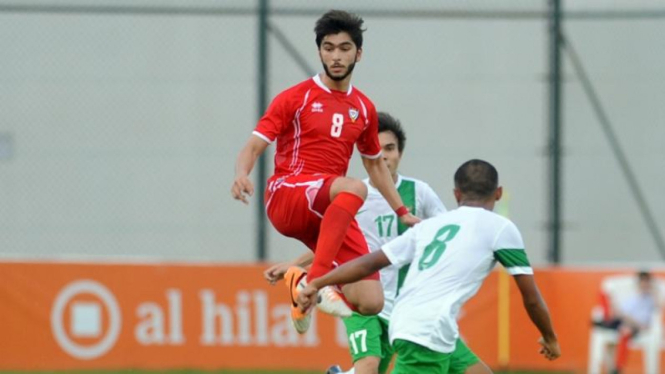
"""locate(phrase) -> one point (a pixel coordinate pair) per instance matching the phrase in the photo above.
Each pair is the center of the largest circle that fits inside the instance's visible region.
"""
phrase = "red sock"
(336, 221)
(622, 350)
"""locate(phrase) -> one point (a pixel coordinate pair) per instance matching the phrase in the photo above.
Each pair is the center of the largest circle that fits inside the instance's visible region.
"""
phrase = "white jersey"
(380, 224)
(451, 255)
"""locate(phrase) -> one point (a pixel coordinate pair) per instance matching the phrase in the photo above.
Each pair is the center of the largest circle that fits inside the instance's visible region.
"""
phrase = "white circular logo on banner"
(86, 352)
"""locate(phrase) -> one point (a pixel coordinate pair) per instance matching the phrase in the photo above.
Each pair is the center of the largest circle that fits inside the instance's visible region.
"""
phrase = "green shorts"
(413, 358)
(368, 337)
(462, 358)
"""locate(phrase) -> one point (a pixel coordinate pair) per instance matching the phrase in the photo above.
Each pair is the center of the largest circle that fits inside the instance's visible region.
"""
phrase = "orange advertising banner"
(57, 316)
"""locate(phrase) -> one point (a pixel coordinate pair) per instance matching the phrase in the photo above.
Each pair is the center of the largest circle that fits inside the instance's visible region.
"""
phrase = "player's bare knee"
(367, 365)
(357, 187)
(362, 370)
(370, 306)
(478, 368)
(350, 185)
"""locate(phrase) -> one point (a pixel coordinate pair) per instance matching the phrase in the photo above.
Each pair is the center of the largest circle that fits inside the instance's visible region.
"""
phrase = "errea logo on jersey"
(317, 107)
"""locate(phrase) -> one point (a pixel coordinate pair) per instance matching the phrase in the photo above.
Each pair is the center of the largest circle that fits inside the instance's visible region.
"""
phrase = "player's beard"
(341, 77)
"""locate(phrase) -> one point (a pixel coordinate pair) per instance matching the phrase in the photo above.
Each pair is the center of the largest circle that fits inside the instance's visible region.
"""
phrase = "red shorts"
(295, 208)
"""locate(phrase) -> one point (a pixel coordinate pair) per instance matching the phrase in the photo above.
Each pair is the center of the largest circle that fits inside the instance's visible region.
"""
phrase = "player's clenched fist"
(307, 298)
(242, 188)
(409, 220)
(550, 349)
(276, 272)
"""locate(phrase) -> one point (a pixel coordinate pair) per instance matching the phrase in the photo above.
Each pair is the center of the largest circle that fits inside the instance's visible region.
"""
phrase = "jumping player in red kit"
(315, 124)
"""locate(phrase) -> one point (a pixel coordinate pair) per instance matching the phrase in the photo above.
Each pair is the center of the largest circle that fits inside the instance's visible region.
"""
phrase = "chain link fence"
(120, 120)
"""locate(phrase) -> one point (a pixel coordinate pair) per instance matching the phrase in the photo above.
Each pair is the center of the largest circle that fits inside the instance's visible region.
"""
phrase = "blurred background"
(120, 120)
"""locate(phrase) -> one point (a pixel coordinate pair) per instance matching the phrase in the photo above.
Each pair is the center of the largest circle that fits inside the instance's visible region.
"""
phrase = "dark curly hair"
(392, 124)
(336, 21)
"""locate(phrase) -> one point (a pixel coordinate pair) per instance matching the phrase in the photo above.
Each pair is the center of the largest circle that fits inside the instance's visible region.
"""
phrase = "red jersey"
(316, 128)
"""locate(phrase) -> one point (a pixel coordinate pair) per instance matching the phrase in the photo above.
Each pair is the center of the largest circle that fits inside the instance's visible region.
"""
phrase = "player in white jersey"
(369, 345)
(452, 254)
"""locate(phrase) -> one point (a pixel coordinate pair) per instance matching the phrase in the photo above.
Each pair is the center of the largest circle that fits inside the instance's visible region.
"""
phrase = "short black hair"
(392, 124)
(336, 21)
(644, 275)
(477, 179)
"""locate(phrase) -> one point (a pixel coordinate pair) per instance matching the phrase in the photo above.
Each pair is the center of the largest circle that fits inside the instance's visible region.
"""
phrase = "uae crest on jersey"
(353, 114)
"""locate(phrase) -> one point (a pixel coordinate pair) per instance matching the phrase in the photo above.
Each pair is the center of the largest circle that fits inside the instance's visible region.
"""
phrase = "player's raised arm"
(540, 316)
(242, 186)
(349, 272)
(380, 176)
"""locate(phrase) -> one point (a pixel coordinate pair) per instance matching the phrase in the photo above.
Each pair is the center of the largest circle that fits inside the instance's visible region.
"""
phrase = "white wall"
(125, 127)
